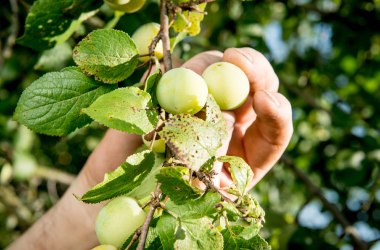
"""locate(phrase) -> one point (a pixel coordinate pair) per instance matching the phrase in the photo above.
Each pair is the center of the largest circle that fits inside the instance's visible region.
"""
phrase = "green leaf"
(241, 172)
(151, 85)
(166, 227)
(174, 185)
(124, 179)
(232, 242)
(55, 58)
(109, 55)
(214, 116)
(149, 183)
(194, 209)
(176, 40)
(51, 105)
(126, 109)
(246, 230)
(194, 234)
(48, 19)
(198, 234)
(192, 140)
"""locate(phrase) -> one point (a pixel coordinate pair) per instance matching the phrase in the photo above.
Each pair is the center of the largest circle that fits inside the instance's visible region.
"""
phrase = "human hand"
(260, 130)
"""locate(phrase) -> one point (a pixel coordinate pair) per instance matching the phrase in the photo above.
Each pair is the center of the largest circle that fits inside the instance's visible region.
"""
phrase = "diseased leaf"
(51, 105)
(232, 242)
(126, 109)
(214, 116)
(109, 55)
(48, 19)
(241, 172)
(124, 179)
(174, 185)
(192, 140)
(189, 21)
(194, 209)
(198, 234)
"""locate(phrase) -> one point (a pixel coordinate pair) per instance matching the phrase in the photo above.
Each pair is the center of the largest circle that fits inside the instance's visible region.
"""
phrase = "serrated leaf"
(126, 109)
(189, 21)
(48, 19)
(194, 234)
(174, 185)
(192, 140)
(51, 105)
(215, 117)
(241, 172)
(109, 55)
(246, 230)
(124, 179)
(201, 207)
(232, 242)
(55, 58)
(198, 234)
(149, 183)
(166, 227)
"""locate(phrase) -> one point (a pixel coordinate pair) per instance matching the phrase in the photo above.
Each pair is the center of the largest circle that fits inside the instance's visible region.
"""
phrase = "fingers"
(266, 140)
(257, 68)
(201, 61)
(112, 151)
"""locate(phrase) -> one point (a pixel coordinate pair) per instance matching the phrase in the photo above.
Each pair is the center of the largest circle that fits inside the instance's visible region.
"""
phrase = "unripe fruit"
(228, 84)
(128, 6)
(118, 220)
(181, 91)
(104, 247)
(158, 145)
(143, 37)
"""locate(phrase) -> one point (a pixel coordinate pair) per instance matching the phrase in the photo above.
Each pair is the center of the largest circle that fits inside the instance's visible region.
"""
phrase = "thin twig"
(208, 182)
(315, 190)
(155, 203)
(134, 239)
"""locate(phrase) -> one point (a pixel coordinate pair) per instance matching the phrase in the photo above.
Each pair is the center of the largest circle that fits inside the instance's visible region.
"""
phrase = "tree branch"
(315, 190)
(164, 20)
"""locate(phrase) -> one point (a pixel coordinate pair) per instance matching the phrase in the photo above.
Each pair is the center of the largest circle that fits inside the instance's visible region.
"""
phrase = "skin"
(259, 131)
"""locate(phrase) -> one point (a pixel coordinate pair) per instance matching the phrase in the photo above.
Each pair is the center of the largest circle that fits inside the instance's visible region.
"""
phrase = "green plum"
(228, 84)
(128, 6)
(118, 220)
(143, 37)
(181, 91)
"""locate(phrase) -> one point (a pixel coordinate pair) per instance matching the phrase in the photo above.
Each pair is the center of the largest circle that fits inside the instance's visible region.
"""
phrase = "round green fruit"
(158, 145)
(104, 247)
(118, 220)
(228, 84)
(128, 6)
(144, 36)
(181, 91)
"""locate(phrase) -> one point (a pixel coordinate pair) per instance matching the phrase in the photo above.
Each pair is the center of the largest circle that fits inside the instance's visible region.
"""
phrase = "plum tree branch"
(164, 20)
(315, 190)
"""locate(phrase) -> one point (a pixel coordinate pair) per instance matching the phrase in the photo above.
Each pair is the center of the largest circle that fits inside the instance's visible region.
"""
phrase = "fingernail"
(272, 98)
(241, 52)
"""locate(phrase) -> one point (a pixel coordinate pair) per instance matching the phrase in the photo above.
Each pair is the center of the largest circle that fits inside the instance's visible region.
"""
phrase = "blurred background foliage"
(325, 191)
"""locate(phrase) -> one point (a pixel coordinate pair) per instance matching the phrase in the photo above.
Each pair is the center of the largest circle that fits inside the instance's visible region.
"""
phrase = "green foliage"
(109, 55)
(126, 178)
(126, 109)
(52, 104)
